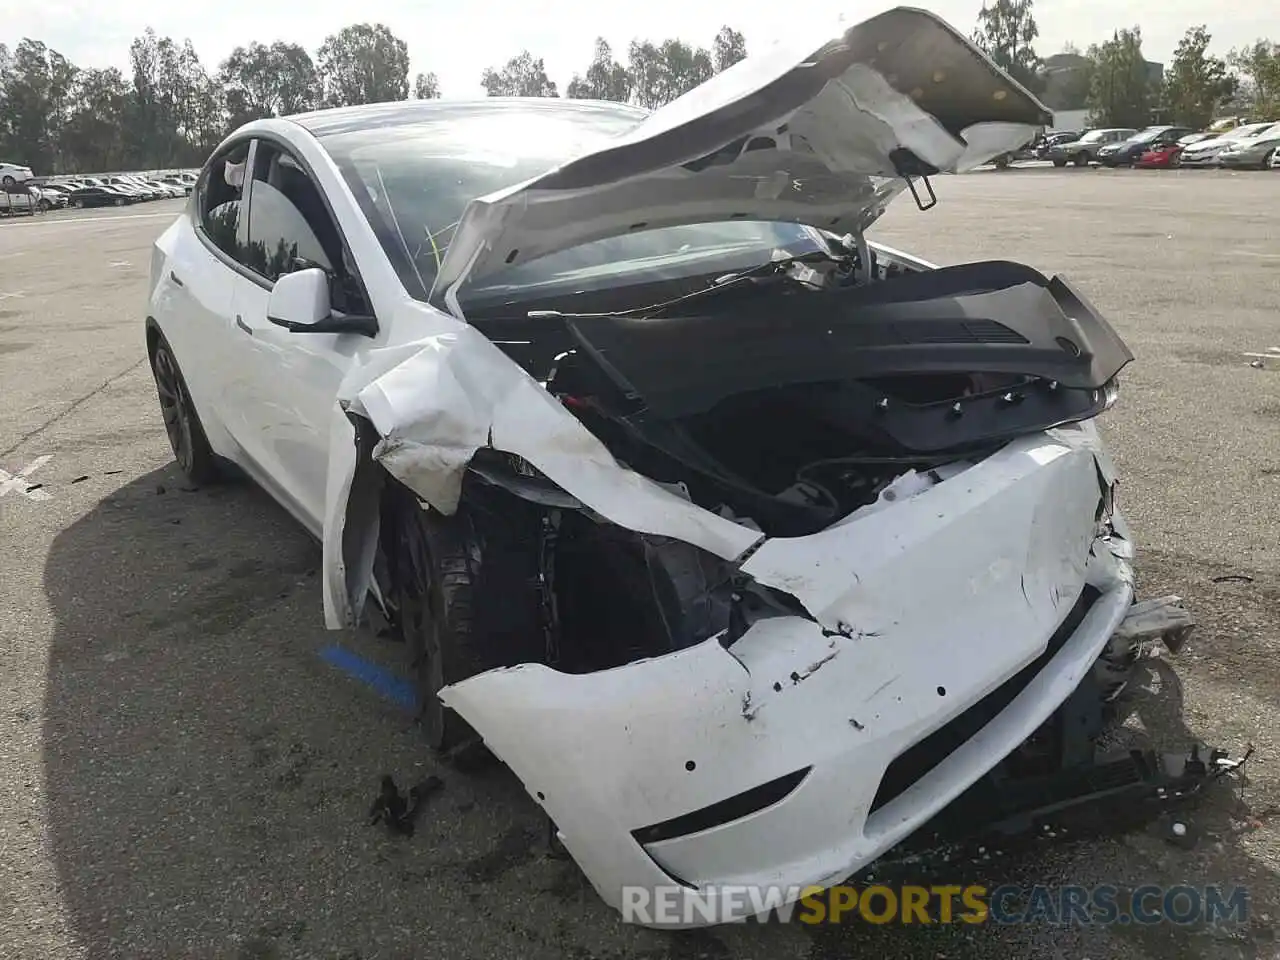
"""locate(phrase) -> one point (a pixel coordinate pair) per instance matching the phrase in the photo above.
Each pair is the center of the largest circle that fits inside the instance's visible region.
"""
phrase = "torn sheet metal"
(436, 401)
(1018, 524)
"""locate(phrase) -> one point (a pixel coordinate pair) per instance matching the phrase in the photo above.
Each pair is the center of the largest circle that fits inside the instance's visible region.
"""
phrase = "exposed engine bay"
(785, 401)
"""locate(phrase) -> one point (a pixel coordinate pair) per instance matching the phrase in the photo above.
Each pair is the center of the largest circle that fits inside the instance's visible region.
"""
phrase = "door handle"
(243, 326)
(174, 277)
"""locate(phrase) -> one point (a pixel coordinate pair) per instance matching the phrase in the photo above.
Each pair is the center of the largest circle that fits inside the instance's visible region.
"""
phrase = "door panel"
(285, 393)
(192, 303)
(284, 389)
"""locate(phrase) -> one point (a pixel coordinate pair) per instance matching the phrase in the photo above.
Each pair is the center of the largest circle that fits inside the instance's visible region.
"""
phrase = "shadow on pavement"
(209, 779)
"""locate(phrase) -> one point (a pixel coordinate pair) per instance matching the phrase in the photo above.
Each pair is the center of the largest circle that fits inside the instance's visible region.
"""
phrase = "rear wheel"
(79, 204)
(186, 436)
(119, 201)
(8, 180)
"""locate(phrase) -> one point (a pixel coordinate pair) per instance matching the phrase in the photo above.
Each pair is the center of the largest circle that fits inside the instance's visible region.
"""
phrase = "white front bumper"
(936, 601)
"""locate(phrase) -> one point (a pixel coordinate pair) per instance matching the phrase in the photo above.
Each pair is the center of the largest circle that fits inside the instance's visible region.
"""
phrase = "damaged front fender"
(433, 403)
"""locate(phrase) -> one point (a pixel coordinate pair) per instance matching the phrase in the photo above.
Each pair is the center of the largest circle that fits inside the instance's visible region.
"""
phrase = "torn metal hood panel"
(820, 132)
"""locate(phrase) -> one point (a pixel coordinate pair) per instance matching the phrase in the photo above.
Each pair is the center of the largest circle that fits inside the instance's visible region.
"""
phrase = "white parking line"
(1273, 353)
(21, 480)
(55, 223)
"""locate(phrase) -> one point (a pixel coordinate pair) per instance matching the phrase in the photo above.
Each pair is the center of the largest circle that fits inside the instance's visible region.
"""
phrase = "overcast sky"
(457, 40)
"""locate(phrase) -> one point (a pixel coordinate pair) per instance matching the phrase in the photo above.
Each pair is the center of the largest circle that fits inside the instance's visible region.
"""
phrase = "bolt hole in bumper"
(796, 757)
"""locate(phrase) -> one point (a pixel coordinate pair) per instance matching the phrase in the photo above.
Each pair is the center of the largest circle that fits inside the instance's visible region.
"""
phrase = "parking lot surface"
(183, 774)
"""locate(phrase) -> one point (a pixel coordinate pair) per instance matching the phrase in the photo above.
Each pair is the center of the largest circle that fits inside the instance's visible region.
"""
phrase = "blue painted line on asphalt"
(388, 685)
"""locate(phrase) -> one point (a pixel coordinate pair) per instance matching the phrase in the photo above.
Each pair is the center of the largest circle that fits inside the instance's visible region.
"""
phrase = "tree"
(728, 48)
(1120, 94)
(150, 113)
(35, 100)
(1196, 84)
(426, 87)
(1259, 67)
(523, 76)
(1006, 31)
(95, 134)
(268, 81)
(363, 63)
(661, 73)
(605, 79)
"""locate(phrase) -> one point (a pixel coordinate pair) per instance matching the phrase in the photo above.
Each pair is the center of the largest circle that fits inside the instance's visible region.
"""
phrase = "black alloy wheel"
(186, 436)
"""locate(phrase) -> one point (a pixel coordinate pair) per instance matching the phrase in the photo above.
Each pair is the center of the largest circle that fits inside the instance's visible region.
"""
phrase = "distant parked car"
(1081, 151)
(1162, 153)
(1055, 138)
(1025, 152)
(17, 198)
(1227, 124)
(1207, 152)
(168, 189)
(134, 186)
(1253, 153)
(11, 173)
(48, 197)
(101, 196)
(1127, 152)
(173, 180)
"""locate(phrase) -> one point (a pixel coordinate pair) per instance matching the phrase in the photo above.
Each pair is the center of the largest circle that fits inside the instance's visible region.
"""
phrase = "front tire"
(435, 576)
(187, 438)
(8, 180)
(1113, 671)
(1081, 159)
(1059, 163)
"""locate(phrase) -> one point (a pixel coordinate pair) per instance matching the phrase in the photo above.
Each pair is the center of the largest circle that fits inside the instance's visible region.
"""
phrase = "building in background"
(1066, 90)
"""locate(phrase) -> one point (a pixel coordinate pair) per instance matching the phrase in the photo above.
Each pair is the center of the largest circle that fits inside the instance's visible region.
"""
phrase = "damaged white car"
(747, 543)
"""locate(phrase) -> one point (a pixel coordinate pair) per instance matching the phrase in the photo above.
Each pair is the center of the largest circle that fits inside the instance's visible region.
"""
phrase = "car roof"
(323, 123)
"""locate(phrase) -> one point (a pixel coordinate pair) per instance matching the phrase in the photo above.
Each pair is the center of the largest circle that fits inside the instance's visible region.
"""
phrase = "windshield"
(1148, 136)
(413, 181)
(1093, 136)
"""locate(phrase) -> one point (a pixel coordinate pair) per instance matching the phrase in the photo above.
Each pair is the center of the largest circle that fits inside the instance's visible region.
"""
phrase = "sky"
(457, 40)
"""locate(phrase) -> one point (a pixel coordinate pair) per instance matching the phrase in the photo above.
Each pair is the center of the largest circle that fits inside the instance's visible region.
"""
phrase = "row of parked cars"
(1250, 146)
(20, 192)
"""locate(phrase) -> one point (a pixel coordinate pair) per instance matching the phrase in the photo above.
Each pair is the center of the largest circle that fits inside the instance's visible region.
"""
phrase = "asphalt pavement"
(184, 772)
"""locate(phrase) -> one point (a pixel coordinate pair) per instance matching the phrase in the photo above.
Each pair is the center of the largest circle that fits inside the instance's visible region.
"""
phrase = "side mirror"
(300, 299)
(300, 303)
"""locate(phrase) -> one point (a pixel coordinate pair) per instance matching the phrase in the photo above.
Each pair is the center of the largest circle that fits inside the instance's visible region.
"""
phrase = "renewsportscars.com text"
(939, 904)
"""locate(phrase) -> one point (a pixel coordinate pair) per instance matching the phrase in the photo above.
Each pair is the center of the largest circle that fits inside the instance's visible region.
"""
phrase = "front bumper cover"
(769, 762)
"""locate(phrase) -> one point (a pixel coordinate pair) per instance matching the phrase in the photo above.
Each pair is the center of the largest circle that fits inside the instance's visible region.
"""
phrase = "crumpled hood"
(820, 132)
